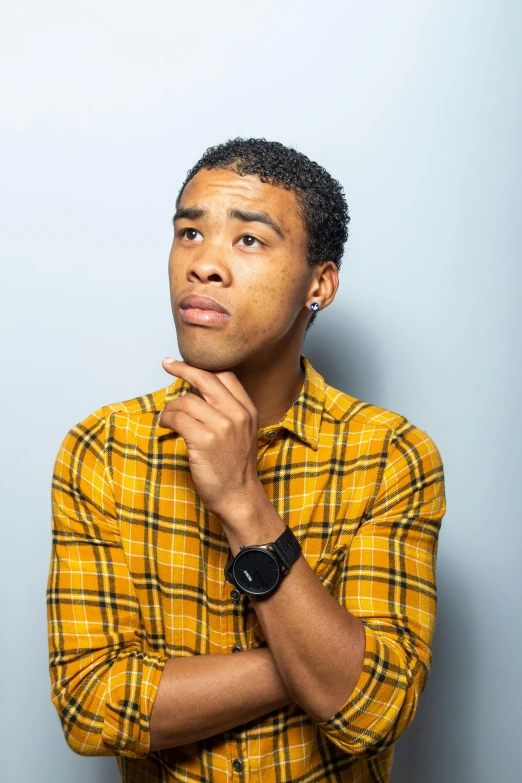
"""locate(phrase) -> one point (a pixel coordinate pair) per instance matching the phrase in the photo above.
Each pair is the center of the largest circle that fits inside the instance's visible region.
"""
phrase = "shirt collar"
(303, 418)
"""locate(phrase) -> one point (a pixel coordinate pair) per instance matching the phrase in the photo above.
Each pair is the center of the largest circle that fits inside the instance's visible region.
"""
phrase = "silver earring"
(314, 306)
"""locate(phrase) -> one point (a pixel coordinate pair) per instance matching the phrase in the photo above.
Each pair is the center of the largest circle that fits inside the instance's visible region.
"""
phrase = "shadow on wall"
(439, 746)
(108, 771)
(345, 355)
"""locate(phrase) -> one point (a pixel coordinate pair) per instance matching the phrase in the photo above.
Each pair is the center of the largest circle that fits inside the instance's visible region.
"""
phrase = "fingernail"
(168, 359)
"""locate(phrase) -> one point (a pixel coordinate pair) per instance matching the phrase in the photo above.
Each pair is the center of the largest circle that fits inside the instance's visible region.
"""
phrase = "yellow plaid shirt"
(136, 577)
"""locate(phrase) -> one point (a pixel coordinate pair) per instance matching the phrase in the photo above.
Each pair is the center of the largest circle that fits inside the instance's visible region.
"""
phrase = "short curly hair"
(320, 197)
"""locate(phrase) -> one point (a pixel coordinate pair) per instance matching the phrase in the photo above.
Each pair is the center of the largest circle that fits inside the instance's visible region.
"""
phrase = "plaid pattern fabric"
(136, 576)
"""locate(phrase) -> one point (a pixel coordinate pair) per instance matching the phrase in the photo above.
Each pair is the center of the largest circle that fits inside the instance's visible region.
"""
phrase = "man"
(242, 581)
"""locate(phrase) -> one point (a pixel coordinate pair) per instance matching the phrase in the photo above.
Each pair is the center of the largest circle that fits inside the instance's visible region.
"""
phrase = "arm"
(317, 644)
(357, 661)
(204, 695)
(103, 685)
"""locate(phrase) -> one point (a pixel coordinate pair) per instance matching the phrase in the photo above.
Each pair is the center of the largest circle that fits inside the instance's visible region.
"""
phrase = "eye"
(185, 231)
(249, 236)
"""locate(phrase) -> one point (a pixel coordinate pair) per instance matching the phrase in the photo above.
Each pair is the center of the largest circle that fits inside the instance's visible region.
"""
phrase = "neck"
(273, 383)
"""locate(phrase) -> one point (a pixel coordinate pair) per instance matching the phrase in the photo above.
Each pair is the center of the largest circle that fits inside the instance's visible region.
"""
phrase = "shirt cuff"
(366, 718)
(132, 686)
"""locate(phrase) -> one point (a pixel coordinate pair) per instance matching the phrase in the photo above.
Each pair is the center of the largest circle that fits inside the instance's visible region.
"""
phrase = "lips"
(201, 303)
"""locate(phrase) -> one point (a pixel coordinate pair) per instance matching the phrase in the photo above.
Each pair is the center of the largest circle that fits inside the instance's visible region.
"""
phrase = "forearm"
(203, 695)
(318, 646)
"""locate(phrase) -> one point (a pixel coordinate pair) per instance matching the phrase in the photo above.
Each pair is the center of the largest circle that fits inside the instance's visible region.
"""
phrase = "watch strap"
(287, 547)
(228, 572)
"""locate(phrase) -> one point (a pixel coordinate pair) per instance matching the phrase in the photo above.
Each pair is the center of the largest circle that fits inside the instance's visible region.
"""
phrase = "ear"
(324, 285)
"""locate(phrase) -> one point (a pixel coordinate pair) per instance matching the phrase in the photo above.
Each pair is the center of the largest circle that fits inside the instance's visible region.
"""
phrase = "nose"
(209, 265)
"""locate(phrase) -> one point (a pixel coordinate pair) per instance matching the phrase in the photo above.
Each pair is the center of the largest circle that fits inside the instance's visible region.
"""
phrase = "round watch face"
(257, 571)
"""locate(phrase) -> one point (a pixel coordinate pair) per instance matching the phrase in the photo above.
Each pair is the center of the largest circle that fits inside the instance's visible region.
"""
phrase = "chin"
(211, 358)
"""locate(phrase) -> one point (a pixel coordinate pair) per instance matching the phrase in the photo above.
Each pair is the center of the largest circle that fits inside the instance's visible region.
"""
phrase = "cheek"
(284, 290)
(273, 303)
(176, 276)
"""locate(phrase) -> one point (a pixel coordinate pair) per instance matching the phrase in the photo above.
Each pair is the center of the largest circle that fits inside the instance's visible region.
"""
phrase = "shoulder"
(409, 471)
(144, 404)
(110, 419)
(356, 418)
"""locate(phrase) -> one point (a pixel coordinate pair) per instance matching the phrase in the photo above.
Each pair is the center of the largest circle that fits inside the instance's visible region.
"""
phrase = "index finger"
(231, 381)
(219, 389)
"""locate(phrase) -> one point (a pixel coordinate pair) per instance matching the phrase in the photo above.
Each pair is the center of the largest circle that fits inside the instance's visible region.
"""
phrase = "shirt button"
(238, 765)
(235, 594)
(271, 434)
(236, 648)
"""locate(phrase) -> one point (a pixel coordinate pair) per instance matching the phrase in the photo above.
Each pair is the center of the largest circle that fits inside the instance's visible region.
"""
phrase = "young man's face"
(257, 271)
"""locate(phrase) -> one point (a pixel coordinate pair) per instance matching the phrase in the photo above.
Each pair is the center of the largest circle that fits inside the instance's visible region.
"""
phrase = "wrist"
(253, 527)
(246, 512)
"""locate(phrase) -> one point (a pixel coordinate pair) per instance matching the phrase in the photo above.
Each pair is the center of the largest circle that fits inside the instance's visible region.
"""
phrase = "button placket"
(236, 636)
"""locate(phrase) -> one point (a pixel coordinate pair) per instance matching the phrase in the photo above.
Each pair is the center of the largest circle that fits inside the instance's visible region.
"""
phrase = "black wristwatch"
(258, 570)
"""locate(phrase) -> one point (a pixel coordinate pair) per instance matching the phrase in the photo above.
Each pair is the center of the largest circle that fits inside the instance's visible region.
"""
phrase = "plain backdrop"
(416, 108)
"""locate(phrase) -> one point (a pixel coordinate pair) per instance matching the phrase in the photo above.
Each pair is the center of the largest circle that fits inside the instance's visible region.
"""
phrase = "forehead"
(217, 189)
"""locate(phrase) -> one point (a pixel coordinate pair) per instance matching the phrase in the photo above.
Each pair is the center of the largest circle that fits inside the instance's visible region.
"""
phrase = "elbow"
(104, 709)
(82, 738)
(389, 736)
(84, 744)
(83, 735)
(89, 738)
(92, 716)
(383, 703)
(371, 735)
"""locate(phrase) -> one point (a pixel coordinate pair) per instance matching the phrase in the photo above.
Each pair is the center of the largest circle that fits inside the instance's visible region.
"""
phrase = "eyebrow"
(193, 213)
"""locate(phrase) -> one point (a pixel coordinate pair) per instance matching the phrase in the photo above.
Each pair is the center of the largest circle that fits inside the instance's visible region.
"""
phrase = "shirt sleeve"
(103, 683)
(387, 579)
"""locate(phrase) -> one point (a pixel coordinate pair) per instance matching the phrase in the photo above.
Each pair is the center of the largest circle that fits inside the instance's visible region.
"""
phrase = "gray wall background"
(416, 108)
